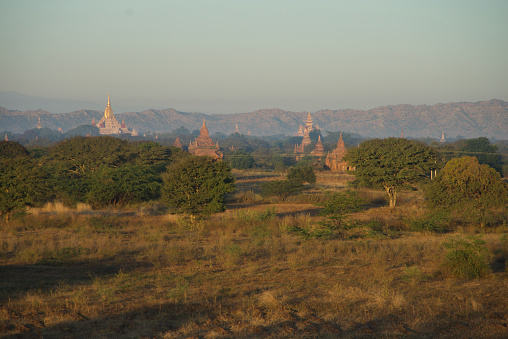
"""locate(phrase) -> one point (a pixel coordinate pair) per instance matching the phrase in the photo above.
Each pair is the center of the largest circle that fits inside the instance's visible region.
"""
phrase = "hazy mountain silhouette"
(471, 120)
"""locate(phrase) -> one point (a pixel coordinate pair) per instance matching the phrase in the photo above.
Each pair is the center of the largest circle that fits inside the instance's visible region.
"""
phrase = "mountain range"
(465, 119)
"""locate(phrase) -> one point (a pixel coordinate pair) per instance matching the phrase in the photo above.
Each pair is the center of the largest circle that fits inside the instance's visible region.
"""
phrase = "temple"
(109, 125)
(442, 137)
(335, 159)
(319, 150)
(309, 127)
(300, 149)
(178, 143)
(203, 145)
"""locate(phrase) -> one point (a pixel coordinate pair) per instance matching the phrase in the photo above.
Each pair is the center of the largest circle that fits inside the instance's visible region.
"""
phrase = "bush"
(474, 191)
(339, 205)
(281, 188)
(434, 222)
(241, 160)
(197, 184)
(302, 174)
(467, 258)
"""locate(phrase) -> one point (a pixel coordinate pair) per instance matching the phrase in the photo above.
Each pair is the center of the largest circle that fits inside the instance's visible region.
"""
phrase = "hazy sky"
(226, 56)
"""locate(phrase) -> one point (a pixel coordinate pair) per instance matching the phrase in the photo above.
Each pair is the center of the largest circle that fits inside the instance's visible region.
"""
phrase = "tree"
(122, 185)
(302, 174)
(85, 155)
(467, 187)
(11, 149)
(484, 152)
(197, 184)
(22, 182)
(391, 164)
(241, 160)
(281, 188)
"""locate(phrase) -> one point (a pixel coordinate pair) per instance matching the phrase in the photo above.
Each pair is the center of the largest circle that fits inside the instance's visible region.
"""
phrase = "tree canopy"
(197, 184)
(391, 164)
(468, 187)
(241, 160)
(484, 152)
(302, 174)
(23, 182)
(11, 149)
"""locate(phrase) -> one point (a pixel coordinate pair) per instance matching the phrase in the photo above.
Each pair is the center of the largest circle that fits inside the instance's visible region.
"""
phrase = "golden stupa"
(108, 112)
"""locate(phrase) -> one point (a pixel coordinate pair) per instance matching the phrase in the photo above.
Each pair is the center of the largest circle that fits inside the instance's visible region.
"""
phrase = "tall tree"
(391, 164)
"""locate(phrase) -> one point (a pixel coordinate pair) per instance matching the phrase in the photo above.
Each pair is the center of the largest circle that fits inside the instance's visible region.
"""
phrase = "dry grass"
(247, 272)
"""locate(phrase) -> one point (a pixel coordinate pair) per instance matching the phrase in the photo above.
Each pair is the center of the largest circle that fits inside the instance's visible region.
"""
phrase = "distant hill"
(470, 120)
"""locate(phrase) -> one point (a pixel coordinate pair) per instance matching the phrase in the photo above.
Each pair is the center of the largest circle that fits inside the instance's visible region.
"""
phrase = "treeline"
(276, 152)
(101, 171)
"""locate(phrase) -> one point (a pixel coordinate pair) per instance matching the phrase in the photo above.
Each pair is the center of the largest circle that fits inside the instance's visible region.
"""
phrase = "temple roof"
(203, 132)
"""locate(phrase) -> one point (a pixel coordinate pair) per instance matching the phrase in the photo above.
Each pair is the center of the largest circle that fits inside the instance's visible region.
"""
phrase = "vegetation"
(281, 188)
(96, 254)
(197, 185)
(246, 272)
(467, 258)
(472, 190)
(482, 150)
(339, 205)
(241, 160)
(302, 174)
(23, 183)
(391, 164)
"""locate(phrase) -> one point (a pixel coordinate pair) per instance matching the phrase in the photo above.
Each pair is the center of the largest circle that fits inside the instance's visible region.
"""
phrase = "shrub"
(432, 222)
(339, 205)
(467, 258)
(197, 185)
(241, 160)
(472, 190)
(302, 174)
(281, 188)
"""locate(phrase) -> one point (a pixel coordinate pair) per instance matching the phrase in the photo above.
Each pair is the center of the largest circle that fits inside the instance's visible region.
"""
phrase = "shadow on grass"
(208, 319)
(17, 280)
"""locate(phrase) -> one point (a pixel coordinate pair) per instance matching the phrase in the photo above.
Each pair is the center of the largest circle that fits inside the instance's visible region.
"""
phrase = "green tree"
(197, 185)
(302, 174)
(281, 188)
(123, 185)
(11, 149)
(88, 154)
(241, 160)
(484, 152)
(391, 164)
(22, 182)
(469, 188)
(153, 154)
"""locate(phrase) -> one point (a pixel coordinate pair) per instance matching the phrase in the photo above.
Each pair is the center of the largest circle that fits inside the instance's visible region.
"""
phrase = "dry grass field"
(261, 269)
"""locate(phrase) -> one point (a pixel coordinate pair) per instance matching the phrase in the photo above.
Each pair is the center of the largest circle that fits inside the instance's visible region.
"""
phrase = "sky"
(228, 56)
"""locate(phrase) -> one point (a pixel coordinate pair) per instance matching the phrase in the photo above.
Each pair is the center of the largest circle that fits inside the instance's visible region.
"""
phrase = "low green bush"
(467, 258)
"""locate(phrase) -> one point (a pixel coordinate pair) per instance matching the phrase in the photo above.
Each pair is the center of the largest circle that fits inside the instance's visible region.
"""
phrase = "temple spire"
(108, 112)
